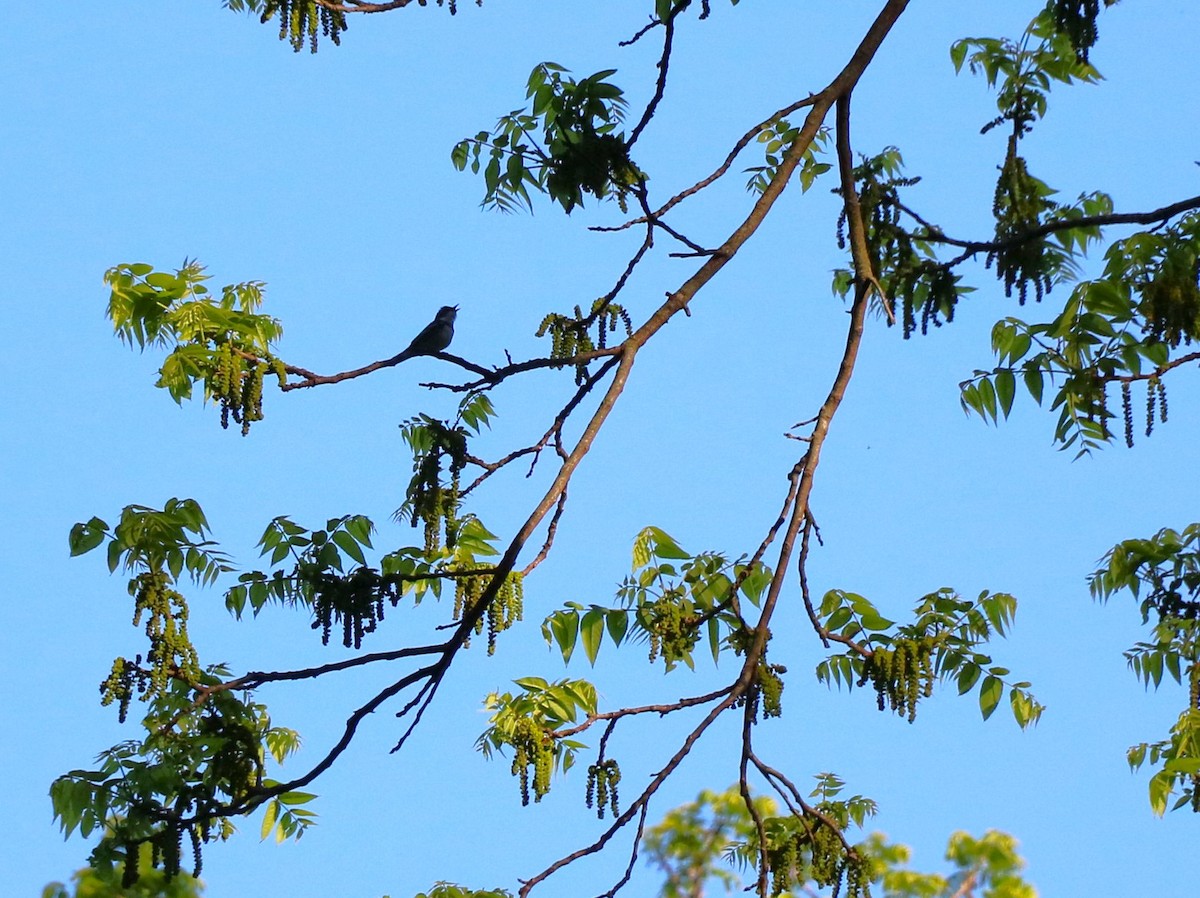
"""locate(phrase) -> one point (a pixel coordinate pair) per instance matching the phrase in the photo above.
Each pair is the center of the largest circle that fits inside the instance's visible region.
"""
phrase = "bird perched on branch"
(436, 336)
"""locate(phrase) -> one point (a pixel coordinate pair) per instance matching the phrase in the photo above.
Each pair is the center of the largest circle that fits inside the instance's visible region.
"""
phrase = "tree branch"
(934, 234)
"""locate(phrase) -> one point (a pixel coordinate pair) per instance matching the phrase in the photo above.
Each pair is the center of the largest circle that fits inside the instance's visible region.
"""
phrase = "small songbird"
(436, 336)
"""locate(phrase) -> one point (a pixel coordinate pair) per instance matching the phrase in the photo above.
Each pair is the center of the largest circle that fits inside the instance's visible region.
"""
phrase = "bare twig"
(633, 854)
(664, 62)
(551, 529)
(662, 710)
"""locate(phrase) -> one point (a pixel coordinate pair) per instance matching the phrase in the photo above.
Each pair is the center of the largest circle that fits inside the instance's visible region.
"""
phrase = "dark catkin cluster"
(236, 384)
(1156, 402)
(602, 780)
(354, 602)
(1077, 20)
(593, 163)
(506, 608)
(166, 851)
(300, 21)
(237, 765)
(1018, 206)
(533, 748)
(901, 675)
(924, 290)
(166, 613)
(126, 676)
(197, 851)
(1127, 412)
(130, 872)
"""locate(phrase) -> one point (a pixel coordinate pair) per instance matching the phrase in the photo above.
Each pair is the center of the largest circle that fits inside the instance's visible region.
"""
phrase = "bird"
(434, 338)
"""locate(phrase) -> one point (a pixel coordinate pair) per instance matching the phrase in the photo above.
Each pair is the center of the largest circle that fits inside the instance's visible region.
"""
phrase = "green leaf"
(297, 797)
(591, 629)
(665, 546)
(968, 677)
(987, 397)
(564, 627)
(85, 537)
(268, 823)
(958, 54)
(349, 545)
(1033, 381)
(1005, 389)
(839, 618)
(1161, 785)
(873, 620)
(990, 695)
(617, 622)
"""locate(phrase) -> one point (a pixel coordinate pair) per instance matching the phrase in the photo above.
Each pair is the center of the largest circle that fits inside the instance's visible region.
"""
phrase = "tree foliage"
(208, 752)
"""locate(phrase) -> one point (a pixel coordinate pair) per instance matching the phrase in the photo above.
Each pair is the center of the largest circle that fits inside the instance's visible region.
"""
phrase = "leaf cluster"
(193, 765)
(565, 144)
(220, 342)
(1163, 573)
(525, 723)
(439, 450)
(943, 641)
(778, 136)
(807, 846)
(671, 600)
(1024, 69)
(1025, 72)
(1111, 330)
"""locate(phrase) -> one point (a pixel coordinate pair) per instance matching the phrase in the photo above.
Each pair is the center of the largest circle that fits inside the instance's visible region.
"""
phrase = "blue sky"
(157, 131)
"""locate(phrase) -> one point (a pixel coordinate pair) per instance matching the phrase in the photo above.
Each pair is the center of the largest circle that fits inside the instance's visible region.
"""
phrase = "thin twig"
(661, 710)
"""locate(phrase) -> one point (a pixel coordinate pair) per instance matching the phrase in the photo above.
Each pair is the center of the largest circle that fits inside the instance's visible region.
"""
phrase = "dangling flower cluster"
(506, 608)
(769, 687)
(810, 849)
(673, 633)
(299, 21)
(901, 675)
(355, 601)
(1019, 204)
(1156, 406)
(126, 676)
(1077, 20)
(429, 501)
(602, 780)
(911, 278)
(570, 335)
(171, 650)
(532, 748)
(237, 383)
